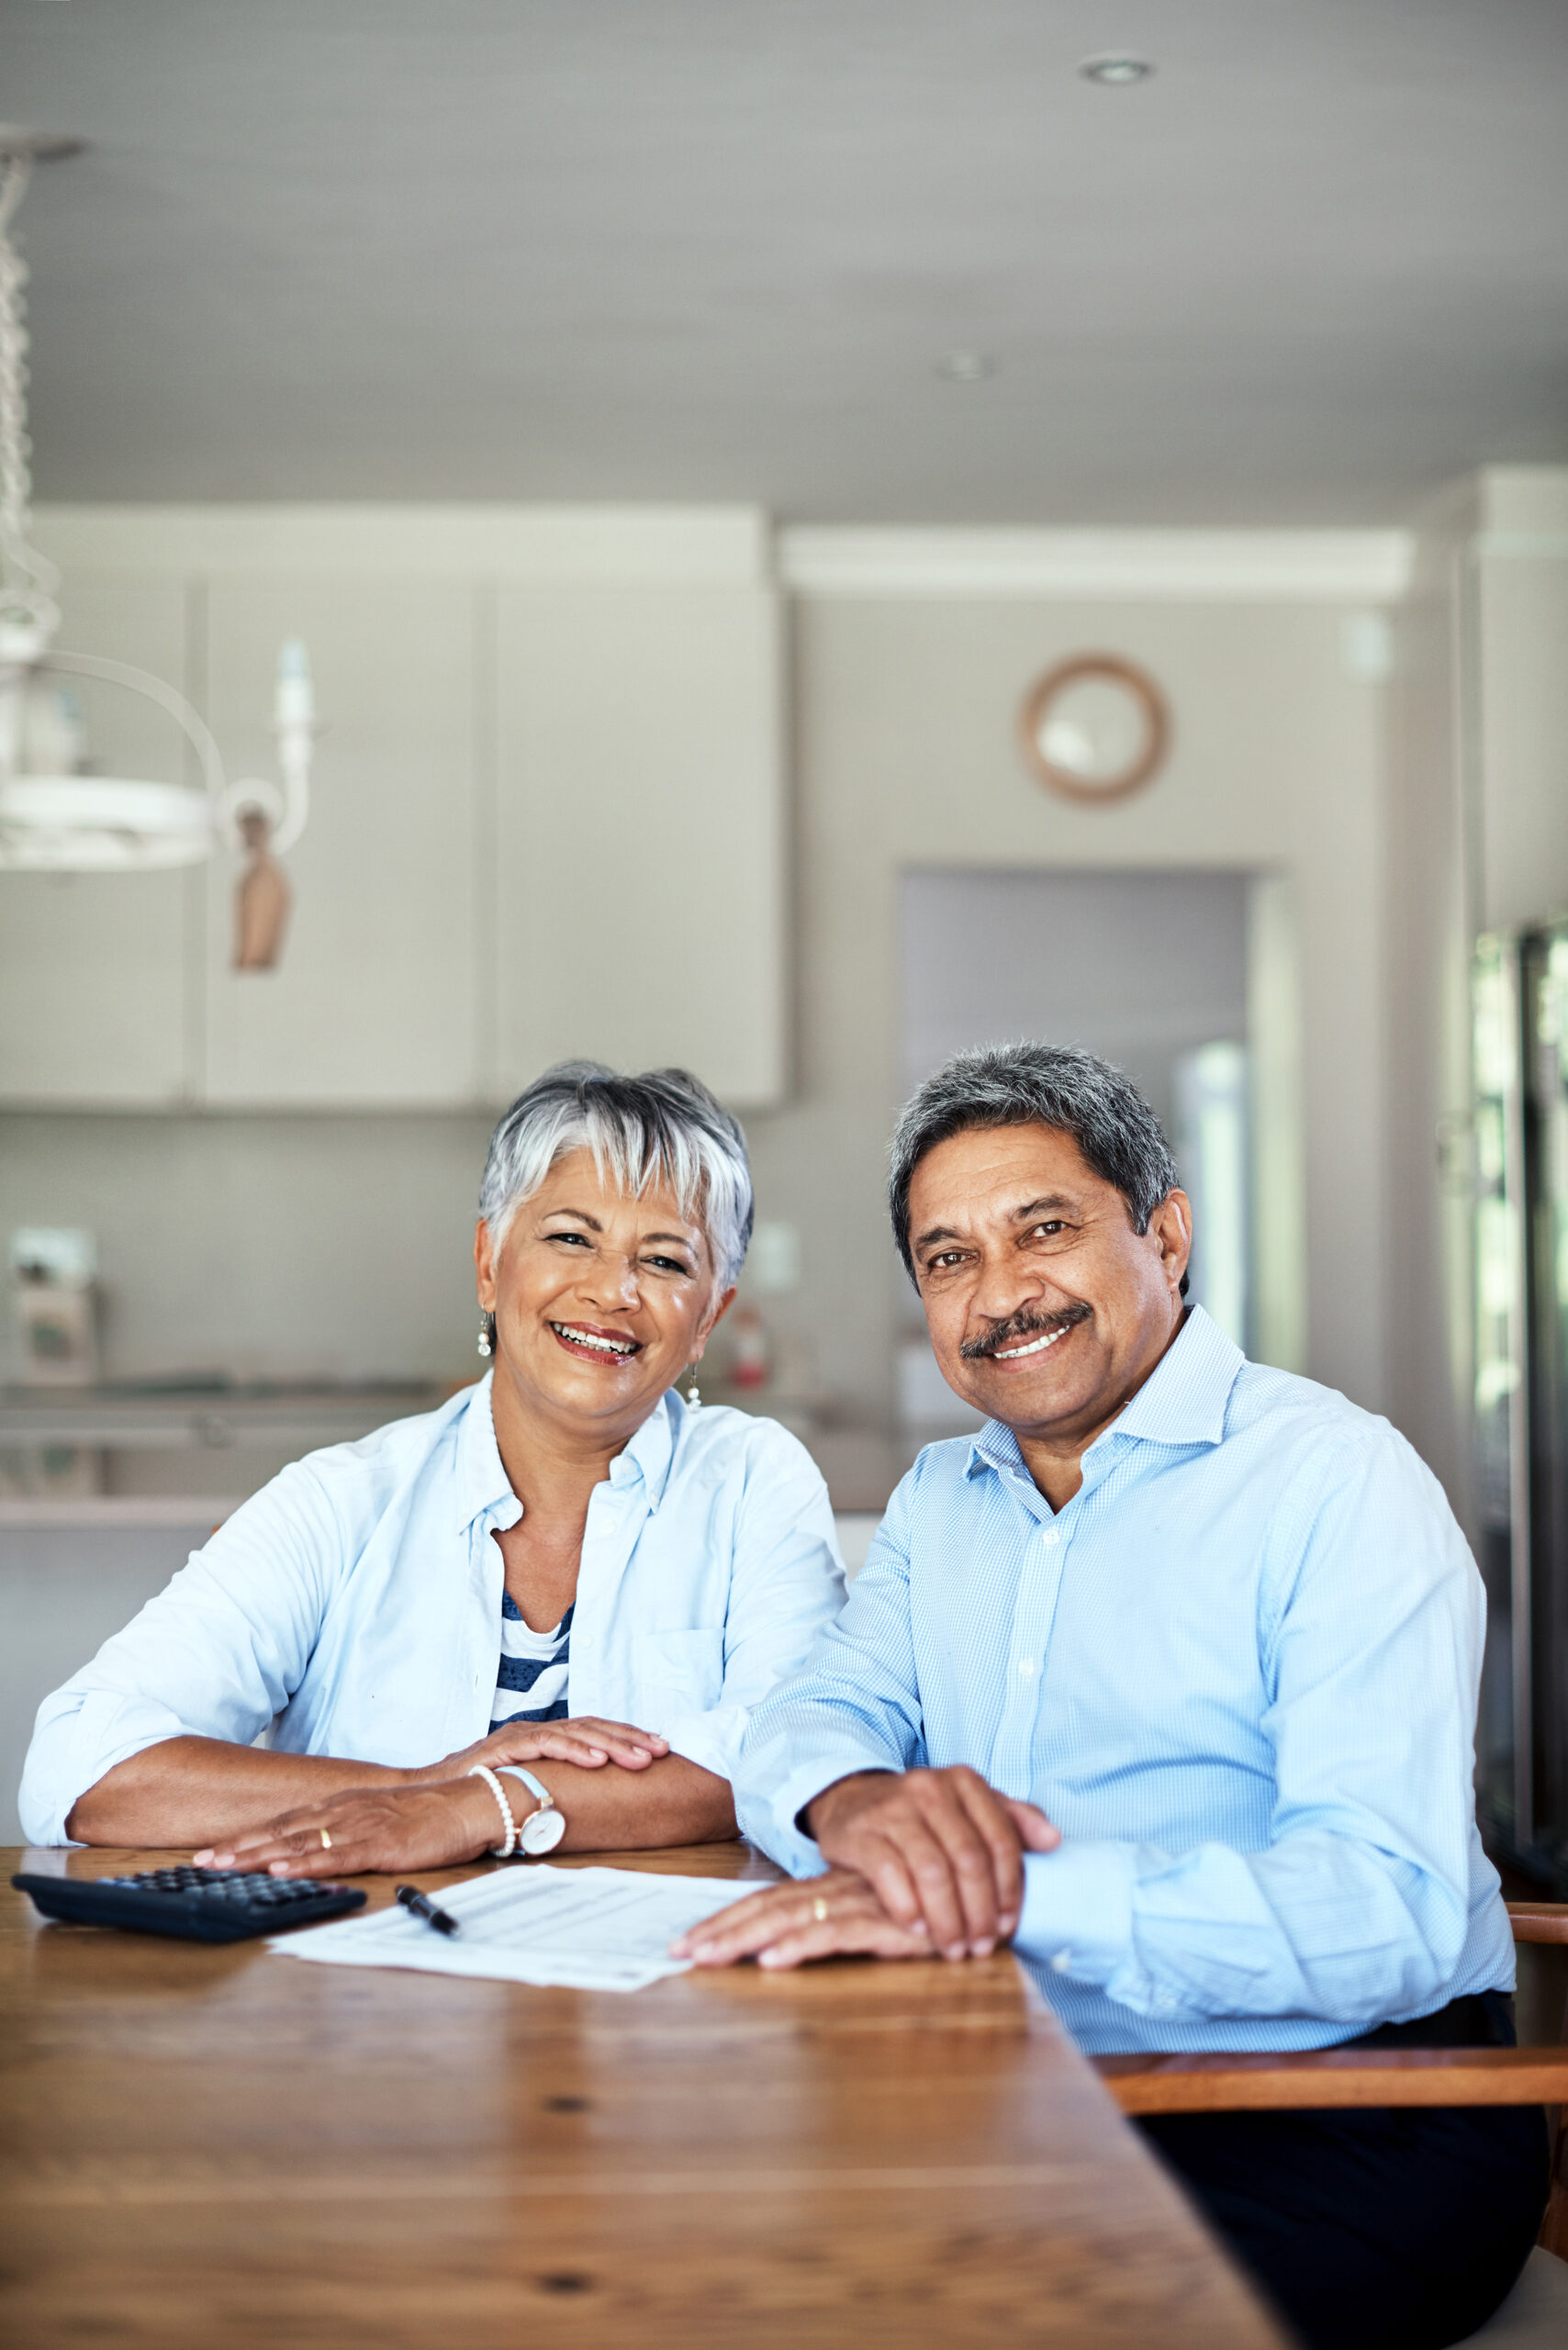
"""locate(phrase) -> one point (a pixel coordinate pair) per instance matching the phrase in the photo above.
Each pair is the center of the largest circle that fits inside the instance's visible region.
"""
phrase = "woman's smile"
(590, 1343)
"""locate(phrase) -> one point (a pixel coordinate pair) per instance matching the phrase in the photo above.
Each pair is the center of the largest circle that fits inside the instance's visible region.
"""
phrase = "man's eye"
(944, 1263)
(1054, 1226)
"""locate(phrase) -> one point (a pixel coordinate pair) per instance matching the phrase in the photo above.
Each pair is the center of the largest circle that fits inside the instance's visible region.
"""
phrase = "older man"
(1170, 1675)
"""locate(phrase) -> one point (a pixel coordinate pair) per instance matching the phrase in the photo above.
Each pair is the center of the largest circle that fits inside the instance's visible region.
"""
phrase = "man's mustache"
(1025, 1323)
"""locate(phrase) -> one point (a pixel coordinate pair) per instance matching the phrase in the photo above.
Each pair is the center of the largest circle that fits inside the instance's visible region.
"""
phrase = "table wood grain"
(219, 2146)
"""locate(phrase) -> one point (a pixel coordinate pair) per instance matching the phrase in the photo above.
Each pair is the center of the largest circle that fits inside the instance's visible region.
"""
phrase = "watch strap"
(536, 1787)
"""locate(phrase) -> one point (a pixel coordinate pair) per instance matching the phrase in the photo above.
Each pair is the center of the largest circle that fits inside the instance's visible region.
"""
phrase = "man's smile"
(1024, 1334)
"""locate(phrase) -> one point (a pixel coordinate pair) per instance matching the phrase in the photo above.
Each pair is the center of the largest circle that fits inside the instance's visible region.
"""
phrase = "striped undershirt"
(531, 1682)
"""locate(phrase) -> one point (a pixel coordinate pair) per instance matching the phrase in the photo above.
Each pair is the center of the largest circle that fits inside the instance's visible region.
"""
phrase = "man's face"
(1045, 1308)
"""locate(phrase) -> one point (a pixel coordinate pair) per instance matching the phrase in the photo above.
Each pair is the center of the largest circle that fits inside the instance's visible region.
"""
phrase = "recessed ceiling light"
(1115, 70)
(967, 366)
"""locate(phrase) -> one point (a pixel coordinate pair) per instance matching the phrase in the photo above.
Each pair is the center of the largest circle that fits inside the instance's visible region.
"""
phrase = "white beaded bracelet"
(504, 1851)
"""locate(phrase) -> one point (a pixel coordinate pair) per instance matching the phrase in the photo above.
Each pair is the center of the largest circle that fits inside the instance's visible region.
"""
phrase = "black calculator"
(200, 1905)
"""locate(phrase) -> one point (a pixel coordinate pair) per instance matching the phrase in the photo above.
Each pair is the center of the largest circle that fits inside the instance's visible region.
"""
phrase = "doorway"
(1183, 978)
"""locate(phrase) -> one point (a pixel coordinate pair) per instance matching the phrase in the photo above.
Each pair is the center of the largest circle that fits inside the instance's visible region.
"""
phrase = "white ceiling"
(716, 248)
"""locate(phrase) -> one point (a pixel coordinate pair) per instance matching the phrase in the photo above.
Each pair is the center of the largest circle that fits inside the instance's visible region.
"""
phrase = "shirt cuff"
(771, 1822)
(1078, 1909)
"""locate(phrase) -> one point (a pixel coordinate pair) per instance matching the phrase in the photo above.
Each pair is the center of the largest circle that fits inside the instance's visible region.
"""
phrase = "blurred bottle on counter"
(751, 1355)
(54, 1315)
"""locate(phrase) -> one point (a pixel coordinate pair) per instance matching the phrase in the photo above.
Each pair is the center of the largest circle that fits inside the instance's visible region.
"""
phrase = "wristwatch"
(543, 1828)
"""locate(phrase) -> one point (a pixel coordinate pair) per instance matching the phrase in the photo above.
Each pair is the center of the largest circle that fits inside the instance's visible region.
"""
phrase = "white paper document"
(595, 1930)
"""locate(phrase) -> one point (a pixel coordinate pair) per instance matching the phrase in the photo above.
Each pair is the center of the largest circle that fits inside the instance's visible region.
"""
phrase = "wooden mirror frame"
(1113, 669)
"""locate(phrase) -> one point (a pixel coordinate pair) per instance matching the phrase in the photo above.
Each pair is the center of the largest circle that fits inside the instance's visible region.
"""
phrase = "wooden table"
(221, 2147)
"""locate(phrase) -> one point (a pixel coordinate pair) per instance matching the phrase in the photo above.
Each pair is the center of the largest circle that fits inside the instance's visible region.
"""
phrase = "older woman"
(454, 1627)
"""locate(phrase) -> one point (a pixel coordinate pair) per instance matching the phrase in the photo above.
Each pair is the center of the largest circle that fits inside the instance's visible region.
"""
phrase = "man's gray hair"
(1048, 1085)
(661, 1127)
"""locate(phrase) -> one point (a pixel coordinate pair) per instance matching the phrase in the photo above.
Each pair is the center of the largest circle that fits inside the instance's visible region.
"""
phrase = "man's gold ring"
(326, 1840)
(818, 1911)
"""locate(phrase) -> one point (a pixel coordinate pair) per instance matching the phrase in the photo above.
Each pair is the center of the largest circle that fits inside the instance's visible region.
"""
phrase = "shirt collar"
(482, 1481)
(1182, 1401)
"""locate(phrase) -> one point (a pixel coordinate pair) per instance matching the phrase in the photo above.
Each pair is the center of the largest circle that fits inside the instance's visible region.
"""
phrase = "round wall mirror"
(1096, 727)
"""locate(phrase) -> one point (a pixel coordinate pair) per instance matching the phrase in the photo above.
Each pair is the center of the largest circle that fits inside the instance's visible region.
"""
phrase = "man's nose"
(1005, 1285)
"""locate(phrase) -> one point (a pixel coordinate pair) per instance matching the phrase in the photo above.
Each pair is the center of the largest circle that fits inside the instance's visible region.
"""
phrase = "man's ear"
(1171, 1225)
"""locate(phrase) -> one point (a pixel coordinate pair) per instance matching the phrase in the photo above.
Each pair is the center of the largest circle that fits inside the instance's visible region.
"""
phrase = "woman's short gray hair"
(664, 1127)
(1046, 1085)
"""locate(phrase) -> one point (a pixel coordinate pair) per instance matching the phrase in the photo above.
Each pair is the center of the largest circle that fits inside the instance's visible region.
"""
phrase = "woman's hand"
(836, 1916)
(369, 1829)
(586, 1741)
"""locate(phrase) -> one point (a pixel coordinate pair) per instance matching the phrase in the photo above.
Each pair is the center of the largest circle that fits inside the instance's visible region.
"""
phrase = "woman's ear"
(485, 1267)
(711, 1322)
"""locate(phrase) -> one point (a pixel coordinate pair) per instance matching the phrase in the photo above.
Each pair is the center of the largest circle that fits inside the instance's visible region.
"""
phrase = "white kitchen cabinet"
(547, 810)
(638, 891)
(374, 1000)
(93, 1003)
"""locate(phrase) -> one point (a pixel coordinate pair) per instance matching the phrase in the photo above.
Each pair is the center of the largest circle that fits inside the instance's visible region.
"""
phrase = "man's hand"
(585, 1741)
(834, 1916)
(942, 1851)
(375, 1828)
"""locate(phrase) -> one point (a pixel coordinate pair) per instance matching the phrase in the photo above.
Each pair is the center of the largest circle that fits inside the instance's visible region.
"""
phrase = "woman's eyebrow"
(680, 1239)
(580, 1215)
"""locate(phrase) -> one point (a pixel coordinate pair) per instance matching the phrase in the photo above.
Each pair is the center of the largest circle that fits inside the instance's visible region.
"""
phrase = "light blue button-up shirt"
(354, 1604)
(1238, 1671)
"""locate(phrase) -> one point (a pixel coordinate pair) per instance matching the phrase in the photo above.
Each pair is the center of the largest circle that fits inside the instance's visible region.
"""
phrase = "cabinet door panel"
(639, 833)
(372, 999)
(91, 964)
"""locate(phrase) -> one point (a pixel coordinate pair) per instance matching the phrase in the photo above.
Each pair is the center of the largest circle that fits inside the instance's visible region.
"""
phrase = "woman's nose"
(614, 1278)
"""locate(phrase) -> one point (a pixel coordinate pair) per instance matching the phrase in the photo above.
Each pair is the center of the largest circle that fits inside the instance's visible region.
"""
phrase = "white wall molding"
(659, 546)
(1183, 566)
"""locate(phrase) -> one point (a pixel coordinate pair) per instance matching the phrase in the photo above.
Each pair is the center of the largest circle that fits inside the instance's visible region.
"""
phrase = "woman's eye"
(670, 1265)
(572, 1239)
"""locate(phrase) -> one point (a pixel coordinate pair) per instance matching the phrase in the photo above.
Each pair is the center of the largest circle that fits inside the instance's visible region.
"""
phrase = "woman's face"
(600, 1300)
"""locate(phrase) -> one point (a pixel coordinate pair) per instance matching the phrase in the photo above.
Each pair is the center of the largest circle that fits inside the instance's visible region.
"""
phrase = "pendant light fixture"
(56, 815)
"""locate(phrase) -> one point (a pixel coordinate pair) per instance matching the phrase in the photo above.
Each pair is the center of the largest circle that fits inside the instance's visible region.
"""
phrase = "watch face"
(541, 1832)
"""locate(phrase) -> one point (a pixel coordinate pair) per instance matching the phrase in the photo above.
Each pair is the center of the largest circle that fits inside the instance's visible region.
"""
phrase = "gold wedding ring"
(326, 1840)
(818, 1911)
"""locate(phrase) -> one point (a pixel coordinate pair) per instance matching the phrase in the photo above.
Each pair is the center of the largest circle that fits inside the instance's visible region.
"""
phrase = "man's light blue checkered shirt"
(1239, 1671)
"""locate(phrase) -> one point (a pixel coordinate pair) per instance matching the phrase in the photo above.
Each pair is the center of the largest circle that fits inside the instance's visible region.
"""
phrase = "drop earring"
(487, 1334)
(693, 1396)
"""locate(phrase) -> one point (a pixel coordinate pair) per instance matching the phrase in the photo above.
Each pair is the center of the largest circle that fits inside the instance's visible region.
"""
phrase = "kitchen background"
(673, 785)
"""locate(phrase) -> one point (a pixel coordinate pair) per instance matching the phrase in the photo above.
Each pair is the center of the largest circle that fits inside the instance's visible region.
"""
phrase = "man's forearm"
(188, 1791)
(672, 1802)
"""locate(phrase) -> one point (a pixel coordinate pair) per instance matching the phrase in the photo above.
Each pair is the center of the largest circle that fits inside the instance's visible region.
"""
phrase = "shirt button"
(1061, 1961)
(1026, 1667)
(1050, 1536)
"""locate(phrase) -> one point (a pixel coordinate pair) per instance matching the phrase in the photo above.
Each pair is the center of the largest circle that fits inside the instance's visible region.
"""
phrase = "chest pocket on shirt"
(679, 1673)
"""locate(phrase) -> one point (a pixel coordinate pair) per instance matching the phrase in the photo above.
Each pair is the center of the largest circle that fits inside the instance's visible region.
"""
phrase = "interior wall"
(905, 755)
(338, 1243)
(1431, 922)
(303, 1246)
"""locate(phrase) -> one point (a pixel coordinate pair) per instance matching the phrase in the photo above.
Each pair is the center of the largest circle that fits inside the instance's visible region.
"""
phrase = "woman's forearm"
(671, 1802)
(188, 1791)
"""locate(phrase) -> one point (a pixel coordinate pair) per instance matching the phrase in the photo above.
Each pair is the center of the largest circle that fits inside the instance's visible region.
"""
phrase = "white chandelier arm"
(142, 682)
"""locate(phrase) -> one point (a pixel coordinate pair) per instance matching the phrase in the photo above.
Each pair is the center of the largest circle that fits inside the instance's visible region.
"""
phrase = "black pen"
(423, 1907)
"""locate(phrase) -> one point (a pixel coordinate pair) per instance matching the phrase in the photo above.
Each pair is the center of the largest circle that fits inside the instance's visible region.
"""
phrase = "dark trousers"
(1377, 2230)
